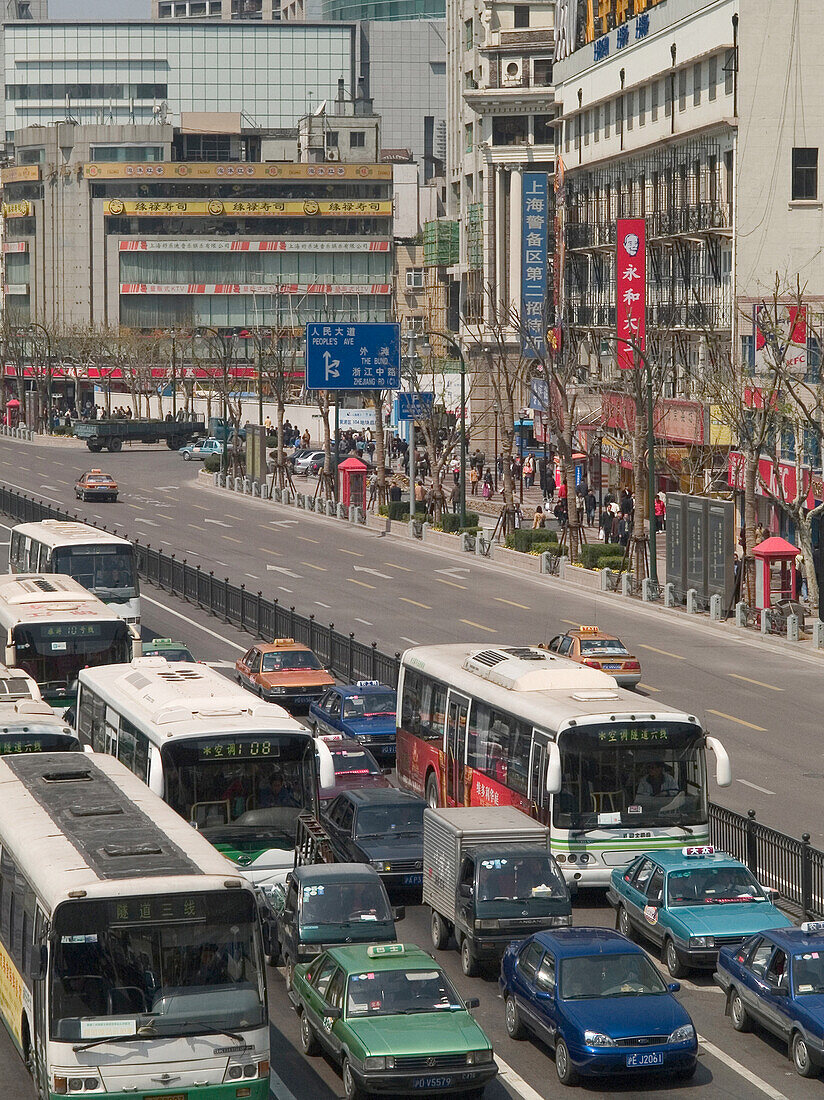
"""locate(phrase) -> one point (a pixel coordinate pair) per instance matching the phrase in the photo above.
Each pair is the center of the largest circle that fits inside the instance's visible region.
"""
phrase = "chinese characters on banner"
(780, 338)
(631, 289)
(535, 223)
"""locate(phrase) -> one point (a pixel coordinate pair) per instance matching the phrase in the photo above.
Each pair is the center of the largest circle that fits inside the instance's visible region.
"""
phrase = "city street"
(406, 586)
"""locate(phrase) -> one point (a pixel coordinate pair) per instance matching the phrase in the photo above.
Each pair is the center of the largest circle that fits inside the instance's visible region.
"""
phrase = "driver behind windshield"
(518, 879)
(657, 782)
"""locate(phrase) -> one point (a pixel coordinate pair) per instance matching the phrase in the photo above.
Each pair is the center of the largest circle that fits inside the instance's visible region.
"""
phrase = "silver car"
(304, 464)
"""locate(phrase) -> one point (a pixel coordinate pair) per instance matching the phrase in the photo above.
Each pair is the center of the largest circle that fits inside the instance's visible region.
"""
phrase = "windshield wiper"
(149, 1031)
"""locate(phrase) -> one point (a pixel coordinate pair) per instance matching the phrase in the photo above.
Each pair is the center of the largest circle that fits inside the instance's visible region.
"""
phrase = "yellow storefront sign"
(218, 208)
(236, 171)
(20, 209)
(721, 434)
(24, 173)
(12, 993)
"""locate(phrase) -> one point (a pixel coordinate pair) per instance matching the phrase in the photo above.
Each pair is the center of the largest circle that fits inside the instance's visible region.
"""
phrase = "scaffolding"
(441, 243)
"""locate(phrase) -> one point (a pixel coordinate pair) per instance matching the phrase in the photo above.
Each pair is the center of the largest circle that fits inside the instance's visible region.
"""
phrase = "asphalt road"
(686, 665)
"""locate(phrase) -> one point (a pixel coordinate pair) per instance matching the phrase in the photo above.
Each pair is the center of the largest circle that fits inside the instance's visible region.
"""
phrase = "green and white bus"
(130, 952)
(238, 769)
(51, 627)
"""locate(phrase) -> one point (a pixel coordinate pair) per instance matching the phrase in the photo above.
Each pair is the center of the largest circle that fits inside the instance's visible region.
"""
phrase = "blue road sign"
(357, 356)
(414, 406)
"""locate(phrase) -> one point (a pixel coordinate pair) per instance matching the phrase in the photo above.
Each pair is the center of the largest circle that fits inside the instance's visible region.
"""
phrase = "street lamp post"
(47, 338)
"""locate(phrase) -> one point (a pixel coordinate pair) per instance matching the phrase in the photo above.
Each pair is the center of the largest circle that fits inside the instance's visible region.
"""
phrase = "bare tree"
(277, 359)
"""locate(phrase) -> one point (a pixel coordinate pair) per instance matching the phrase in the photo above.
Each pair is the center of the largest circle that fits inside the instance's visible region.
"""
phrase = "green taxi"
(393, 1020)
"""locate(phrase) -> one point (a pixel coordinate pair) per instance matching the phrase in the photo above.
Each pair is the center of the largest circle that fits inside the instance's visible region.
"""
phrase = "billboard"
(534, 255)
(700, 546)
(630, 290)
(198, 170)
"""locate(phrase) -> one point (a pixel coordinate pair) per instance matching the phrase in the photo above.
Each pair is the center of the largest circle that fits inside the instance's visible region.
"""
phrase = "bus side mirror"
(40, 963)
(326, 777)
(553, 769)
(723, 771)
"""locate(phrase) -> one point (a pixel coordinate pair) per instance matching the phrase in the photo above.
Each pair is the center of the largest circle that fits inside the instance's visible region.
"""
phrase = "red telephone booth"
(12, 417)
(352, 482)
(774, 571)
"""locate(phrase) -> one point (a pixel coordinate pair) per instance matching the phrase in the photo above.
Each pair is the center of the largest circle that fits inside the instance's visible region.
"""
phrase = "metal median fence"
(791, 866)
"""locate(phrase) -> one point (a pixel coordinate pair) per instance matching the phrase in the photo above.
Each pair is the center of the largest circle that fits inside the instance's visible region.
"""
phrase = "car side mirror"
(773, 894)
(399, 912)
(333, 1012)
(465, 890)
(673, 987)
(40, 963)
(783, 988)
(473, 1002)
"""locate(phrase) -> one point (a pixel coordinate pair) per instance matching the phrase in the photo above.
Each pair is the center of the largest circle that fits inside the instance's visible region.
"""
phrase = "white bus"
(27, 724)
(103, 563)
(611, 773)
(51, 627)
(130, 950)
(237, 768)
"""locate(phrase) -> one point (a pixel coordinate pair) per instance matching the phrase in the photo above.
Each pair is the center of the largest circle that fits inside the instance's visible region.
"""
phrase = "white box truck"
(489, 878)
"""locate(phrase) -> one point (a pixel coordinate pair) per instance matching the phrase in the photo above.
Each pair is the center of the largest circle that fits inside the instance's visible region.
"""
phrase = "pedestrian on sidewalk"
(590, 503)
(474, 478)
(606, 525)
(561, 513)
(305, 438)
(624, 530)
(660, 512)
(487, 487)
(373, 490)
(539, 519)
(455, 498)
(529, 471)
(420, 492)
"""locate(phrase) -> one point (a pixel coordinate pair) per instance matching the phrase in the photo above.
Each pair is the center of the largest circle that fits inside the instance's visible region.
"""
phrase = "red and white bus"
(516, 725)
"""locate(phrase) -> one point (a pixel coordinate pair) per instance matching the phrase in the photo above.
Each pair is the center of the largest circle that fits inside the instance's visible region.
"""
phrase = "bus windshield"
(55, 652)
(638, 774)
(237, 788)
(36, 738)
(161, 965)
(107, 571)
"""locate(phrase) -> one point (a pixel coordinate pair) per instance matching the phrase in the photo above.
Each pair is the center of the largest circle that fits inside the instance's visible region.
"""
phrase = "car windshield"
(354, 762)
(625, 975)
(638, 774)
(344, 903)
(603, 647)
(378, 703)
(713, 886)
(519, 878)
(400, 992)
(108, 571)
(290, 660)
(170, 654)
(391, 820)
(808, 973)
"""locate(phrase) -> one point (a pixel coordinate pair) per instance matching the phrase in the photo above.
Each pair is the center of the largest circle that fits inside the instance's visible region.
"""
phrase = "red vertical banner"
(630, 289)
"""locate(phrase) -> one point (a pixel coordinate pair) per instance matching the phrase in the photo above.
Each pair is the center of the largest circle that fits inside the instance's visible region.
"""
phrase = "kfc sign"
(631, 289)
(780, 480)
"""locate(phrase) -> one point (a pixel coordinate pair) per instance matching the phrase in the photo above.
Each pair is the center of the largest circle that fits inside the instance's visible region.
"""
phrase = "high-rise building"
(266, 11)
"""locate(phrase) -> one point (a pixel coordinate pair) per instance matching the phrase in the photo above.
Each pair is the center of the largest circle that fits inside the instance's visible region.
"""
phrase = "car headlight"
(702, 941)
(374, 1063)
(488, 925)
(683, 1034)
(311, 948)
(598, 1039)
(561, 922)
(477, 1057)
(380, 865)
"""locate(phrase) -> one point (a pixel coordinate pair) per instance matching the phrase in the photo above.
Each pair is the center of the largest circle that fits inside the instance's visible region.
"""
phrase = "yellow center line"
(137, 507)
(569, 622)
(649, 687)
(353, 553)
(202, 507)
(512, 603)
(274, 553)
(303, 538)
(230, 539)
(451, 583)
(194, 526)
(396, 566)
(758, 683)
(479, 626)
(320, 568)
(363, 584)
(425, 606)
(663, 652)
(739, 721)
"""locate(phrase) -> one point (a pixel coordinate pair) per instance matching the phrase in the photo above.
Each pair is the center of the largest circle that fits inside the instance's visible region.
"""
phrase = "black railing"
(793, 867)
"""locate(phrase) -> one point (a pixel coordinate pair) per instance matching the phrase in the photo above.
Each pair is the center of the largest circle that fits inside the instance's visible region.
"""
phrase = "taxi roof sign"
(379, 949)
(810, 926)
(699, 850)
(367, 683)
(283, 641)
(588, 629)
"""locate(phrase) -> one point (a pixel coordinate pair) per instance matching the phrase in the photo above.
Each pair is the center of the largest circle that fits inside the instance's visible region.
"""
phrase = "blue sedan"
(776, 979)
(362, 712)
(596, 998)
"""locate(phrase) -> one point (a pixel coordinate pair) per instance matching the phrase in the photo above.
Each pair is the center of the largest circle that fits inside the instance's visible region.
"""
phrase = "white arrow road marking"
(373, 572)
(219, 522)
(150, 522)
(280, 569)
(282, 522)
(454, 572)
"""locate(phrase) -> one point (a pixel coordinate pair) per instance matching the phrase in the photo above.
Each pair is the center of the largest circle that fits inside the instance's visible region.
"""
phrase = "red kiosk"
(352, 482)
(12, 414)
(774, 571)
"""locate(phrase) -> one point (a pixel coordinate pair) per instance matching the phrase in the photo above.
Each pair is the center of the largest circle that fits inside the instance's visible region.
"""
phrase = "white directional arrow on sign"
(286, 572)
(456, 571)
(372, 572)
(219, 522)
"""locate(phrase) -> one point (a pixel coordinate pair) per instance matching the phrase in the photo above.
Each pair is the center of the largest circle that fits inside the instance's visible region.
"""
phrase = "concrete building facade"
(266, 11)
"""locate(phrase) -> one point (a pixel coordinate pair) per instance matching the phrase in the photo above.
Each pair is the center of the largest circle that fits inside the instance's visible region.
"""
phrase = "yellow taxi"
(591, 646)
(95, 485)
(283, 671)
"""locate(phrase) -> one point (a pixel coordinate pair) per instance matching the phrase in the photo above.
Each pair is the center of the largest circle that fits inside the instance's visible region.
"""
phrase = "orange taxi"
(595, 648)
(95, 485)
(283, 671)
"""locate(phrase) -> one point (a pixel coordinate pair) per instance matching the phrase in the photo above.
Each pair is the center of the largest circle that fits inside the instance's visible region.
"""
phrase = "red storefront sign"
(630, 290)
(781, 482)
(673, 420)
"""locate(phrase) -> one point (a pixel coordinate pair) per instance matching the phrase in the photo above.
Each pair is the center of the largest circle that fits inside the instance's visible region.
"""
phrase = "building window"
(469, 34)
(508, 131)
(642, 106)
(729, 69)
(712, 77)
(468, 138)
(470, 83)
(357, 139)
(32, 156)
(521, 16)
(805, 174)
(126, 153)
(542, 70)
(607, 116)
(543, 130)
(653, 100)
(682, 90)
(585, 124)
(668, 93)
(630, 110)
(414, 278)
(164, 11)
(331, 139)
(696, 85)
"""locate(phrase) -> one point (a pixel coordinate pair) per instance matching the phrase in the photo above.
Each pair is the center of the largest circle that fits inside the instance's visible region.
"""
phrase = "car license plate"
(173, 1096)
(611, 666)
(388, 749)
(413, 880)
(431, 1082)
(650, 1058)
(302, 699)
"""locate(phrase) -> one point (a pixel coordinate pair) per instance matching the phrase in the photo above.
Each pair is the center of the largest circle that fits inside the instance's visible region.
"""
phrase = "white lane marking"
(410, 640)
(514, 1080)
(5, 543)
(27, 489)
(283, 522)
(164, 488)
(457, 571)
(192, 622)
(754, 786)
(373, 572)
(49, 487)
(150, 522)
(254, 576)
(364, 621)
(282, 589)
(282, 569)
(279, 1087)
(742, 1071)
(326, 605)
(219, 523)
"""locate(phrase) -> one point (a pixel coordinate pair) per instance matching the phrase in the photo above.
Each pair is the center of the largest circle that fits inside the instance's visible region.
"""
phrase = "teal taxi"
(691, 902)
(393, 1020)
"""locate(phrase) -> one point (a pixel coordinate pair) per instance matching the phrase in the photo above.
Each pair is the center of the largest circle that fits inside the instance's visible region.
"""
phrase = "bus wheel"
(432, 792)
